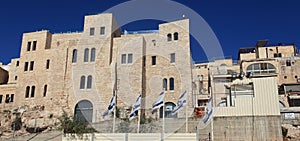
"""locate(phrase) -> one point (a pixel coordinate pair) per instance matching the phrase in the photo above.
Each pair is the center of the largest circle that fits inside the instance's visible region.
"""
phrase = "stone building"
(80, 72)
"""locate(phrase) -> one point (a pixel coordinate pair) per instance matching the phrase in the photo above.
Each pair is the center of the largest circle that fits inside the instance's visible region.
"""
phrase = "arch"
(165, 84)
(93, 55)
(222, 104)
(82, 82)
(168, 110)
(281, 104)
(175, 36)
(169, 37)
(171, 83)
(86, 55)
(74, 56)
(261, 68)
(84, 111)
(89, 82)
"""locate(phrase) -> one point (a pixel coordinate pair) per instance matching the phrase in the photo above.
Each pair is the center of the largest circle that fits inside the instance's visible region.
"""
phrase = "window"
(129, 61)
(296, 76)
(7, 98)
(82, 82)
(32, 91)
(48, 64)
(171, 83)
(16, 77)
(279, 55)
(288, 63)
(1, 98)
(165, 84)
(34, 45)
(86, 55)
(28, 46)
(123, 61)
(74, 56)
(26, 66)
(12, 97)
(17, 63)
(285, 77)
(153, 60)
(169, 36)
(93, 55)
(45, 90)
(175, 36)
(172, 58)
(92, 31)
(27, 92)
(102, 30)
(261, 68)
(31, 65)
(89, 82)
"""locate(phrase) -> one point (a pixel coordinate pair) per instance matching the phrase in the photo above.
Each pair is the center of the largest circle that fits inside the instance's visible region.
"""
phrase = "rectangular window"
(153, 60)
(45, 90)
(48, 64)
(102, 30)
(34, 45)
(17, 63)
(1, 98)
(123, 61)
(172, 58)
(31, 65)
(28, 46)
(16, 77)
(7, 99)
(26, 66)
(288, 63)
(92, 31)
(275, 55)
(129, 61)
(12, 96)
(279, 55)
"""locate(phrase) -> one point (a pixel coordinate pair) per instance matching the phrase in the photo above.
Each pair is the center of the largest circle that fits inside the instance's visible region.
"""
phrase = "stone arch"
(84, 110)
(168, 110)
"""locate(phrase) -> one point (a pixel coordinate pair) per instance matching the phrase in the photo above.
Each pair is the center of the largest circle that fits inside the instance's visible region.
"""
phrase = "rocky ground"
(26, 120)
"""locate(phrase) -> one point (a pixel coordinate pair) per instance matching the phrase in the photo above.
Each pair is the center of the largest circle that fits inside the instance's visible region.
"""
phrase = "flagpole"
(114, 120)
(186, 117)
(139, 120)
(163, 132)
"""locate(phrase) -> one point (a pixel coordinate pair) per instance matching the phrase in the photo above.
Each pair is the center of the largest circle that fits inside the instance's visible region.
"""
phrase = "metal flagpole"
(139, 120)
(186, 117)
(114, 121)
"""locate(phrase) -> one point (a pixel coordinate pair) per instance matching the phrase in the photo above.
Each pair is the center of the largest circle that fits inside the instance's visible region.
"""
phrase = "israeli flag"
(181, 102)
(136, 107)
(208, 112)
(159, 102)
(110, 107)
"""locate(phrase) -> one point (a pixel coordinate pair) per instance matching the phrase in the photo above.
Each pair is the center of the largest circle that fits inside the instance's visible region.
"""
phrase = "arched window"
(165, 84)
(27, 92)
(261, 68)
(169, 36)
(171, 84)
(93, 55)
(175, 36)
(86, 55)
(74, 56)
(89, 82)
(82, 82)
(32, 91)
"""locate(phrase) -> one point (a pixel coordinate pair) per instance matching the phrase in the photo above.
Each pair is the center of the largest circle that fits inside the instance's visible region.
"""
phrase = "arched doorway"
(84, 110)
(168, 111)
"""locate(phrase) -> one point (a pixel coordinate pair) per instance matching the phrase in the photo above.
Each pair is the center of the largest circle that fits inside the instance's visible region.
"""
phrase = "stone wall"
(247, 128)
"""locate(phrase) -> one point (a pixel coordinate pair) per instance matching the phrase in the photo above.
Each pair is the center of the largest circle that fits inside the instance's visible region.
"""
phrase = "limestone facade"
(59, 71)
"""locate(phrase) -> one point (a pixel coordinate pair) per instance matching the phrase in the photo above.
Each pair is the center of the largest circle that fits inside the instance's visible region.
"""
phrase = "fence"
(137, 137)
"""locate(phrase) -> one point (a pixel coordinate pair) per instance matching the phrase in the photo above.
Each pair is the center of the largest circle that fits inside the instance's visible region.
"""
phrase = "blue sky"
(235, 23)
